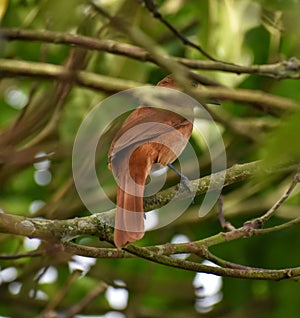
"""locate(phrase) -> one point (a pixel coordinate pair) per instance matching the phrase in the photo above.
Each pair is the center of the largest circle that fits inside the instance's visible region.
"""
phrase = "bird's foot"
(184, 179)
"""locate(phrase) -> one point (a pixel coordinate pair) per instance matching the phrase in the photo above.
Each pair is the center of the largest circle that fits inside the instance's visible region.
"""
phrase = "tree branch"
(96, 224)
(272, 104)
(220, 271)
(233, 174)
(267, 102)
(281, 70)
(199, 248)
(10, 68)
(158, 254)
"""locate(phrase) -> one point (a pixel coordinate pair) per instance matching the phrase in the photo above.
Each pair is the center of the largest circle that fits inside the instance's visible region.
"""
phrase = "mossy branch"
(63, 231)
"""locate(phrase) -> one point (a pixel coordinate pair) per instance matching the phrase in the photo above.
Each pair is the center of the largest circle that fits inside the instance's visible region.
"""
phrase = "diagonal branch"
(84, 302)
(260, 221)
(152, 7)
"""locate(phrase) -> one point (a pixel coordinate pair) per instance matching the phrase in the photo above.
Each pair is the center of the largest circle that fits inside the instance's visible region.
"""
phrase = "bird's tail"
(129, 222)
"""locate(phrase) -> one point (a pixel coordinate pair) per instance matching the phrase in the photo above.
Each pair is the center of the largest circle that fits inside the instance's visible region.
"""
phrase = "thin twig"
(152, 7)
(260, 221)
(226, 264)
(225, 224)
(76, 309)
(21, 255)
(60, 295)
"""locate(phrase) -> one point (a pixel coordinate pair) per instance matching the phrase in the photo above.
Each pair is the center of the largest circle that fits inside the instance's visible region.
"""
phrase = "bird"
(148, 135)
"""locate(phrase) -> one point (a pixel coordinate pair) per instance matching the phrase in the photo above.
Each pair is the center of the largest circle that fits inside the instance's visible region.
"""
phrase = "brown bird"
(145, 138)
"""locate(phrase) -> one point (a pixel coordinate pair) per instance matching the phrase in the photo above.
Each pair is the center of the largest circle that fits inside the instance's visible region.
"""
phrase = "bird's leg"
(184, 179)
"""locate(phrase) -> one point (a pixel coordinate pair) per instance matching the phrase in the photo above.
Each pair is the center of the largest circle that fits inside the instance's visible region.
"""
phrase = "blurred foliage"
(238, 31)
